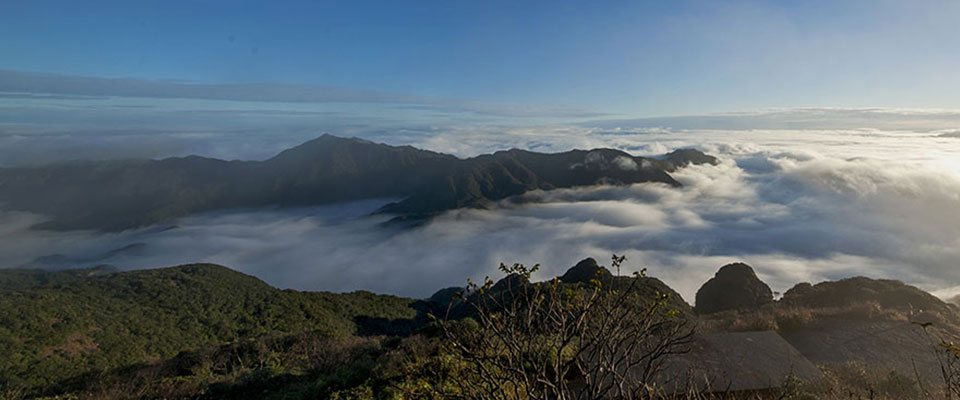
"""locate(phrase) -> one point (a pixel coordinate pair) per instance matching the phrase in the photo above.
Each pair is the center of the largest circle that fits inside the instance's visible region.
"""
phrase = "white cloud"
(624, 163)
(796, 204)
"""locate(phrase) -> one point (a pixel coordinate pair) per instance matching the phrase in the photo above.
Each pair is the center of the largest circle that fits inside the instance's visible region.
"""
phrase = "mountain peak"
(330, 137)
(327, 139)
(585, 270)
(735, 286)
(684, 157)
(324, 170)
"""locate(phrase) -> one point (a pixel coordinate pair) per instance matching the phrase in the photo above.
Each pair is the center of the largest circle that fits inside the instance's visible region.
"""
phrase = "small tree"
(551, 340)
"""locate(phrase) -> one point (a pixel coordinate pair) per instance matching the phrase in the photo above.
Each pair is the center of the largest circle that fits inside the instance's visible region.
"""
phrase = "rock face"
(734, 287)
(584, 271)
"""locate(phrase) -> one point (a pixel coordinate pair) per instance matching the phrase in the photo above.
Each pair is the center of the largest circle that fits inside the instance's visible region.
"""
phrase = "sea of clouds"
(798, 205)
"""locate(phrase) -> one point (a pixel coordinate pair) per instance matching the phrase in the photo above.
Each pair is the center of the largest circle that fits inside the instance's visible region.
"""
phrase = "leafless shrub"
(947, 352)
(553, 340)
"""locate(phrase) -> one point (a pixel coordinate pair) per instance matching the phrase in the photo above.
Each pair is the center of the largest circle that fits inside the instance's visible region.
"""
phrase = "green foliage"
(592, 337)
(206, 332)
(19, 279)
(55, 336)
(302, 366)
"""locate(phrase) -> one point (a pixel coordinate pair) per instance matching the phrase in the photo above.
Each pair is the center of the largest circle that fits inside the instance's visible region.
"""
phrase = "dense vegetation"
(20, 279)
(117, 195)
(54, 335)
(204, 331)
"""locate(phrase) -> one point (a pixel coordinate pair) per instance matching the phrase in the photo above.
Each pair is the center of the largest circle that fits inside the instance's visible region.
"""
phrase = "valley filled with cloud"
(797, 204)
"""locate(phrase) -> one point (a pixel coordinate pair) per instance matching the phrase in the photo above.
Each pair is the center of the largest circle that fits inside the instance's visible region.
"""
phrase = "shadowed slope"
(118, 195)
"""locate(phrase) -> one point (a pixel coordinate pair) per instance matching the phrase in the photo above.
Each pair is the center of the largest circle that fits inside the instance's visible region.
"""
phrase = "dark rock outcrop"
(734, 287)
(584, 271)
(684, 157)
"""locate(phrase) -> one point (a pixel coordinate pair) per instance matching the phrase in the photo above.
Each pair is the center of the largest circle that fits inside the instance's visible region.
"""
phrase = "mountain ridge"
(125, 194)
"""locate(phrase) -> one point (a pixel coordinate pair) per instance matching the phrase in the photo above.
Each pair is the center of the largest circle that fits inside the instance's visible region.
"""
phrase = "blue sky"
(637, 59)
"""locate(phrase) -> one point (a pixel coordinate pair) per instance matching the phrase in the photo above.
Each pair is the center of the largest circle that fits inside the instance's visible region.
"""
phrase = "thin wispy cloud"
(799, 118)
(29, 85)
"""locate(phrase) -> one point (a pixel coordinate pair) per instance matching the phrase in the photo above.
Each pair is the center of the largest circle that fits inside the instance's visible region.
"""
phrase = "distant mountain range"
(119, 195)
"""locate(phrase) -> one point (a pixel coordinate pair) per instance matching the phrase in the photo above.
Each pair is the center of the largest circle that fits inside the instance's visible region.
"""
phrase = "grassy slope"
(52, 333)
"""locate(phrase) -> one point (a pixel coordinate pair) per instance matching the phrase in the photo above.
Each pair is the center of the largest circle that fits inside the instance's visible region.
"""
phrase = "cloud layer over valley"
(798, 205)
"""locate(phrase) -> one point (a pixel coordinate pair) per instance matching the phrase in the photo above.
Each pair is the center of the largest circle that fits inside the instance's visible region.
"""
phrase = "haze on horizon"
(837, 122)
(631, 59)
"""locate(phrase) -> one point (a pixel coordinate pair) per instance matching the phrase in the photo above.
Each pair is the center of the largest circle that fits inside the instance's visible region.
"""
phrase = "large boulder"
(734, 287)
(585, 270)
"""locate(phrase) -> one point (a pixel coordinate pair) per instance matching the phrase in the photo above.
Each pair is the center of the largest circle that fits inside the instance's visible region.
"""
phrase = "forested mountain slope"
(51, 333)
(118, 195)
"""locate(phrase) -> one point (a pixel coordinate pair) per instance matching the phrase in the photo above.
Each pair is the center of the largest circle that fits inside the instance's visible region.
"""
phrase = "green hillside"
(20, 279)
(53, 333)
(207, 332)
